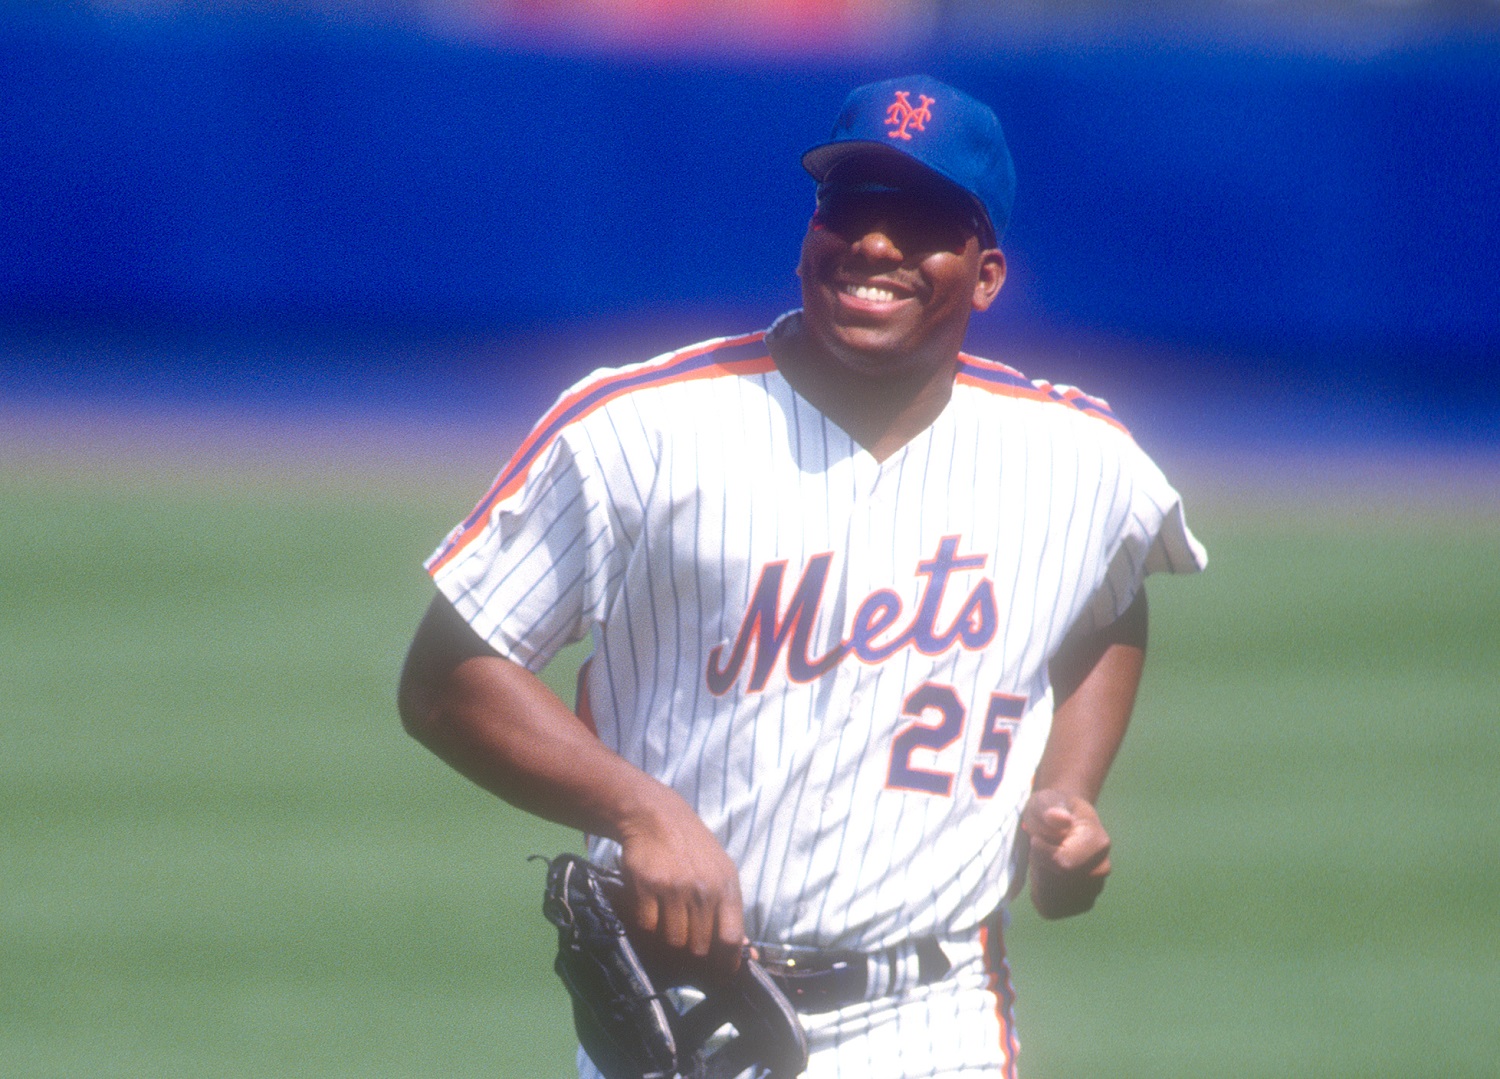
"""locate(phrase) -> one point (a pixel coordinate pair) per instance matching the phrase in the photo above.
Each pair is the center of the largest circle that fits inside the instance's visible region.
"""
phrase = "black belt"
(825, 981)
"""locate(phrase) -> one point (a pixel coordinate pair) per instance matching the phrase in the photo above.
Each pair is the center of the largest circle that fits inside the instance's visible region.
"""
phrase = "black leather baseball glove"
(628, 1024)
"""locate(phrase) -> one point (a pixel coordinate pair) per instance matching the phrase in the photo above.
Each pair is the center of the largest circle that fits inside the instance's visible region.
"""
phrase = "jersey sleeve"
(1153, 537)
(531, 568)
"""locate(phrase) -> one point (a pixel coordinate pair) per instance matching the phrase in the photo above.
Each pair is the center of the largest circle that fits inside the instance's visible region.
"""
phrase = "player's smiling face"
(890, 278)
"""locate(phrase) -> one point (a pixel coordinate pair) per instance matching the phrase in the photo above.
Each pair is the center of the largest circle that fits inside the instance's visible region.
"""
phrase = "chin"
(875, 360)
(860, 348)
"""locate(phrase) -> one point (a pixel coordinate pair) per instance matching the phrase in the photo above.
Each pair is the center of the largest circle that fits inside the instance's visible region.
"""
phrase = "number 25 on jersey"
(1000, 723)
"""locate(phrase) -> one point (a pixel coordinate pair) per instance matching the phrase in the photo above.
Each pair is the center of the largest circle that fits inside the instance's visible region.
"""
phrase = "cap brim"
(820, 160)
(906, 171)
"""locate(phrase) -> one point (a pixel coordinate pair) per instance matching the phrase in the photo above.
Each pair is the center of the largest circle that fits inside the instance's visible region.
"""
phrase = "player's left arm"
(1094, 680)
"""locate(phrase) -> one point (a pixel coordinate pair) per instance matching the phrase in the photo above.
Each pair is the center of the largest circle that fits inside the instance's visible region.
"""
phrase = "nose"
(878, 243)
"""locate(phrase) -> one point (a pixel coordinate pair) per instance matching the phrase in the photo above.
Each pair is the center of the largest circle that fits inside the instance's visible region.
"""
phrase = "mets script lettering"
(900, 115)
(768, 629)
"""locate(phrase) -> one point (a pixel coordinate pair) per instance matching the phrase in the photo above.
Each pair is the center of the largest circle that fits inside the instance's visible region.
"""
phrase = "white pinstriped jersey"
(842, 664)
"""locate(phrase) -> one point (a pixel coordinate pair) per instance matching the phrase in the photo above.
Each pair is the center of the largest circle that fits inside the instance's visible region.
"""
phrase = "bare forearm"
(1095, 678)
(1089, 727)
(1096, 685)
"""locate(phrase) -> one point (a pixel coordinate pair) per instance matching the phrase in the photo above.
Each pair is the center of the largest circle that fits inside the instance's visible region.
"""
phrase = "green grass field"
(220, 856)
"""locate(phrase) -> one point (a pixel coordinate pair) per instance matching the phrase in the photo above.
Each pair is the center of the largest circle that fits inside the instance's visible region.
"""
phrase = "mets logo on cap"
(900, 115)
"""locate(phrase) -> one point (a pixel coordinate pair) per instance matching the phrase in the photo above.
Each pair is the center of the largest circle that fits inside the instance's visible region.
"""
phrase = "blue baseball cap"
(954, 138)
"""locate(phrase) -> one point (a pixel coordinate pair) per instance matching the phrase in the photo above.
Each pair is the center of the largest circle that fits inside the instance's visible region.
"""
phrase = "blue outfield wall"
(276, 175)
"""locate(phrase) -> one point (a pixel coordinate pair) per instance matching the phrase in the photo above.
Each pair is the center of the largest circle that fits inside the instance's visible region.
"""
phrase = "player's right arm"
(502, 727)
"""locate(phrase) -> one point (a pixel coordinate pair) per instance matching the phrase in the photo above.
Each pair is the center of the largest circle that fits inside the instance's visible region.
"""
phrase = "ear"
(813, 226)
(991, 277)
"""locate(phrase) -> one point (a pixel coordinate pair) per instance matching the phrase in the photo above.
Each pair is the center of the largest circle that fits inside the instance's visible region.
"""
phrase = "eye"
(838, 215)
(940, 235)
(916, 223)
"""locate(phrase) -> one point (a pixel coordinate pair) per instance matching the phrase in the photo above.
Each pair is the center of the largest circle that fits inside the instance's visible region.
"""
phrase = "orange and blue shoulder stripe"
(1001, 379)
(724, 356)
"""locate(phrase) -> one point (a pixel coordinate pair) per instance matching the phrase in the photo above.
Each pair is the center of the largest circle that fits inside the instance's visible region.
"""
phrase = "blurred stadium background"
(282, 282)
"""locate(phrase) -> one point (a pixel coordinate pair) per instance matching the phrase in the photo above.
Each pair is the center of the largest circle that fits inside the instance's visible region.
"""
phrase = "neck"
(881, 413)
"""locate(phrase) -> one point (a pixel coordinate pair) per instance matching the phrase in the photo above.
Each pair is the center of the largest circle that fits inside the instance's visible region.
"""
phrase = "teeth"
(870, 292)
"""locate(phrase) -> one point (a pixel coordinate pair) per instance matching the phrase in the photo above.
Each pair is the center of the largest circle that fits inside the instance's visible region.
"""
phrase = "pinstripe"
(669, 650)
(863, 856)
(645, 635)
(1068, 534)
(759, 708)
(643, 511)
(1023, 471)
(523, 583)
(930, 489)
(622, 690)
(844, 729)
(695, 458)
(793, 793)
(723, 632)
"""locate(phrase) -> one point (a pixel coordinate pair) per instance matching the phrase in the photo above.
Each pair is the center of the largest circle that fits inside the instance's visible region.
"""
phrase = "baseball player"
(866, 614)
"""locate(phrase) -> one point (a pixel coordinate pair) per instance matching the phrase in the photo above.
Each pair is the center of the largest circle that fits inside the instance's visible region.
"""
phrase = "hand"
(1069, 858)
(680, 886)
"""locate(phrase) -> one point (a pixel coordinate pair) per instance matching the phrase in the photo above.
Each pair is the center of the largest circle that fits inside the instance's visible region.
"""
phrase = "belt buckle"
(818, 981)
